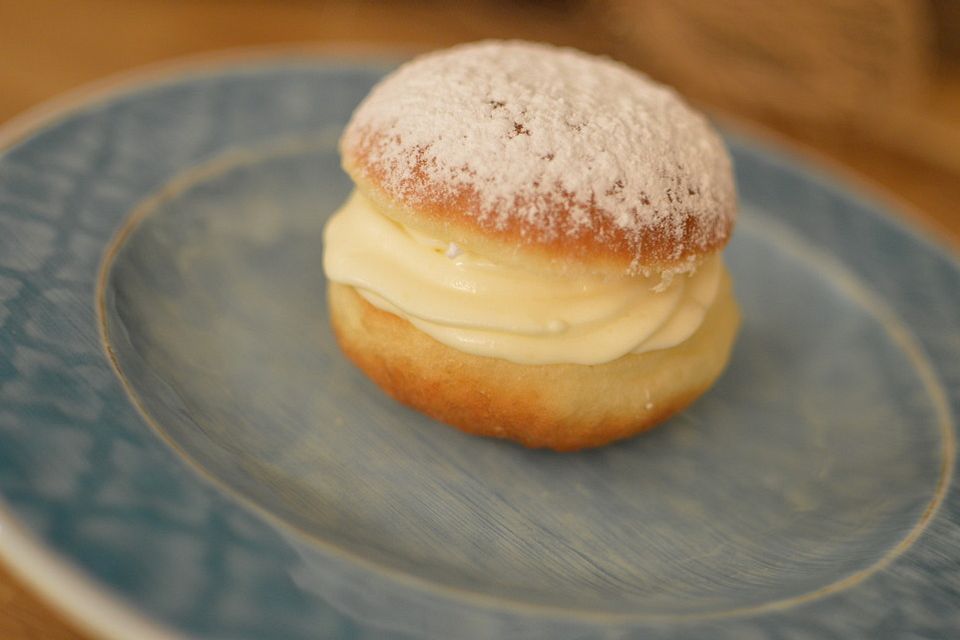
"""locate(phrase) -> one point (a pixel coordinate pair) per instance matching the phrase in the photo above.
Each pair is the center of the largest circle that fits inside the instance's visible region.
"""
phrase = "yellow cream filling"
(479, 307)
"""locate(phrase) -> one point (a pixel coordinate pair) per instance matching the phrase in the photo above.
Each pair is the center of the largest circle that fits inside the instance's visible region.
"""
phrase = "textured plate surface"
(809, 494)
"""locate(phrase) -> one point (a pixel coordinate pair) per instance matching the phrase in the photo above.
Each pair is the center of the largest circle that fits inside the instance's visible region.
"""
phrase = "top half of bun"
(549, 157)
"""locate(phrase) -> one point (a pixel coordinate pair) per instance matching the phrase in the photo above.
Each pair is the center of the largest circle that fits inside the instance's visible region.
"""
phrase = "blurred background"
(873, 84)
(868, 86)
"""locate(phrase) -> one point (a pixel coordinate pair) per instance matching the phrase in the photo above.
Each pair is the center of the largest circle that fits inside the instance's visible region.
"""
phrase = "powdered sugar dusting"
(525, 126)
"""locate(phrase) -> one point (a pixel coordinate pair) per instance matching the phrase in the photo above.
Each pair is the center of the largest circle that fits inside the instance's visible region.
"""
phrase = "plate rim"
(96, 608)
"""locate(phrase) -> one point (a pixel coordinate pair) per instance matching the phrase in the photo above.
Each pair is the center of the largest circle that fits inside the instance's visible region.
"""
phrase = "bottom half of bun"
(559, 406)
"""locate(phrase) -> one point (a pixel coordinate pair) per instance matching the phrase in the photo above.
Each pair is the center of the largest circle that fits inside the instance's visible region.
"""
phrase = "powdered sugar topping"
(524, 126)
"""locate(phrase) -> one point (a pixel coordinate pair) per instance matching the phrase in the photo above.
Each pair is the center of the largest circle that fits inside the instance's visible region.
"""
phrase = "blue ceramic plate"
(219, 470)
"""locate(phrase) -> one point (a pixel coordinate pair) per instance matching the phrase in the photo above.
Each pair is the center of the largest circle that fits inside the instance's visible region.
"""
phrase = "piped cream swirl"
(478, 307)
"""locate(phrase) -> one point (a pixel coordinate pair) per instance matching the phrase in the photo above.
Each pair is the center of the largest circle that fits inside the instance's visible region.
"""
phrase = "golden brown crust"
(455, 214)
(563, 407)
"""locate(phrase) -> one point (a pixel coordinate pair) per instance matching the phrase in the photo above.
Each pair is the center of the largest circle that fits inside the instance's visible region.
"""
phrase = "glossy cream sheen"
(473, 305)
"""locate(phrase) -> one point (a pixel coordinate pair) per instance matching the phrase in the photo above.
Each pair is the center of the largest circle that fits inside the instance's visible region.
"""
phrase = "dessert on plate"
(532, 249)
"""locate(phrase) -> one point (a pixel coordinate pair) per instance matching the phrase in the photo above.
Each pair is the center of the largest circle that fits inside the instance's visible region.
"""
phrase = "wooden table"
(50, 46)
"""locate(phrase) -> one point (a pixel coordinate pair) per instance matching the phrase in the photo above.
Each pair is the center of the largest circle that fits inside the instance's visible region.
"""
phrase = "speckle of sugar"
(453, 251)
(525, 125)
(649, 406)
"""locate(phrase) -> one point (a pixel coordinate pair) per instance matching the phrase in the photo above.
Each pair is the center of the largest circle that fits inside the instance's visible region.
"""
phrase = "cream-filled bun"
(532, 250)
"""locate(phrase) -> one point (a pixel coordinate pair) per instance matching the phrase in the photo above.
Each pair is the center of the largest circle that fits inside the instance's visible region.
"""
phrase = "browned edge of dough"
(454, 214)
(564, 407)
